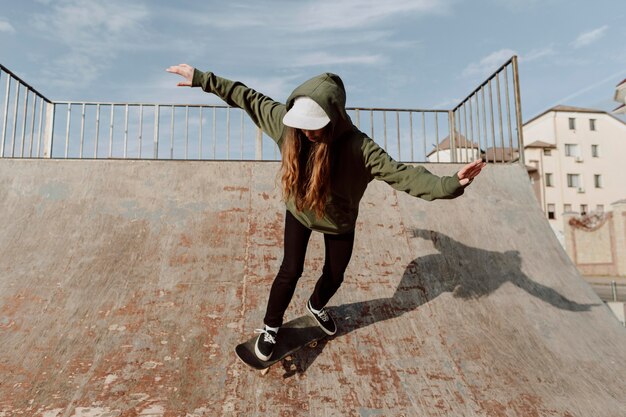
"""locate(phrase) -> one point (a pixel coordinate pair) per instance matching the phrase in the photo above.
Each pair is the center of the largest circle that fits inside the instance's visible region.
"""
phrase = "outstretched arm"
(264, 112)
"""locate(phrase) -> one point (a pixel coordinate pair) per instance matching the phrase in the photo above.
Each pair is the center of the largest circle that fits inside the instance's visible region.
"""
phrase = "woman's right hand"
(185, 71)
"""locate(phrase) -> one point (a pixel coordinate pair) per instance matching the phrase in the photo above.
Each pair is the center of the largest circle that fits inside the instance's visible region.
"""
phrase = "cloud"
(90, 33)
(488, 64)
(589, 37)
(6, 26)
(536, 54)
(313, 15)
(308, 33)
(326, 59)
(607, 79)
(493, 61)
(332, 14)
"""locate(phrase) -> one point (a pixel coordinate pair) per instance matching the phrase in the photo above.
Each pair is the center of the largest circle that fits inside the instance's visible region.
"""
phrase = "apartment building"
(576, 159)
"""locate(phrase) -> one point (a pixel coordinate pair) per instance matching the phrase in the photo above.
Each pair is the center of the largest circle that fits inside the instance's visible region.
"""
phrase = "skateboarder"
(326, 166)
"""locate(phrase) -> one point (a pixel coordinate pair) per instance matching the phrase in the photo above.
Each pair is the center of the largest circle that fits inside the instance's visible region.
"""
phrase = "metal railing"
(33, 126)
(484, 123)
(24, 123)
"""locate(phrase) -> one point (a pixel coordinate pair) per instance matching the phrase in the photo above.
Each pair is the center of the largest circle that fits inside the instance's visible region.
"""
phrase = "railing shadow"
(464, 271)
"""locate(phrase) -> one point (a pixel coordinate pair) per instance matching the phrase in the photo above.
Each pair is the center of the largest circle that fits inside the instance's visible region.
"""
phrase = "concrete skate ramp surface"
(125, 285)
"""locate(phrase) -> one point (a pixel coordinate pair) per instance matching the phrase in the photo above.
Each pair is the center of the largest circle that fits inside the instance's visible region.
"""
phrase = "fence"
(35, 127)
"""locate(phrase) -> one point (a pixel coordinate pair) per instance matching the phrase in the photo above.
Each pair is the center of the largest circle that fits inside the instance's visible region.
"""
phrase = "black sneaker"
(265, 343)
(323, 319)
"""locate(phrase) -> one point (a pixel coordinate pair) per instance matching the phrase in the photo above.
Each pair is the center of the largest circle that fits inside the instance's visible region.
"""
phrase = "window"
(572, 123)
(567, 208)
(595, 151)
(573, 180)
(597, 180)
(592, 124)
(547, 152)
(549, 180)
(571, 149)
(583, 209)
(551, 212)
(600, 208)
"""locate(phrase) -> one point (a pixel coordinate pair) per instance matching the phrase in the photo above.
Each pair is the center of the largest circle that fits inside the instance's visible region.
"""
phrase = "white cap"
(306, 114)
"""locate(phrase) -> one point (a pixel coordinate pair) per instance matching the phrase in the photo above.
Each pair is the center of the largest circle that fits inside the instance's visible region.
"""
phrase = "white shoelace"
(267, 336)
(323, 315)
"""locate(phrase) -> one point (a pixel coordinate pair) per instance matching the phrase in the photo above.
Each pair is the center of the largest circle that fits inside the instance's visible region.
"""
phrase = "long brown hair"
(306, 175)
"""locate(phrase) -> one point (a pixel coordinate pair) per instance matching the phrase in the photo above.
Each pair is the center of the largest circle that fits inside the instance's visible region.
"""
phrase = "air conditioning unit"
(581, 190)
(579, 159)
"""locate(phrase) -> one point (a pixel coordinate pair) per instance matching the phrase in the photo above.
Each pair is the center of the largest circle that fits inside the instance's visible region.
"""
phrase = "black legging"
(338, 250)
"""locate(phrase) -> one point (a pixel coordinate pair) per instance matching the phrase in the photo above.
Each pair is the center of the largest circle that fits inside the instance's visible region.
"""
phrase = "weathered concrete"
(125, 285)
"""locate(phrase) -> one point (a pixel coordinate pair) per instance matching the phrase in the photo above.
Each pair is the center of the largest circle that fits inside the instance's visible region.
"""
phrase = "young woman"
(327, 164)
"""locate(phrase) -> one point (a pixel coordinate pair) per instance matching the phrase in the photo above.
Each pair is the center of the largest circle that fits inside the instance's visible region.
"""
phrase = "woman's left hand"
(470, 171)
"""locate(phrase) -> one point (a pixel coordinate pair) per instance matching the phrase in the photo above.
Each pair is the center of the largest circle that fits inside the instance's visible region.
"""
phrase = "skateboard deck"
(292, 336)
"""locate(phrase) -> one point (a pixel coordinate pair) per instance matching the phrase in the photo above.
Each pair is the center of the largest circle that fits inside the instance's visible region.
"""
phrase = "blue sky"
(393, 53)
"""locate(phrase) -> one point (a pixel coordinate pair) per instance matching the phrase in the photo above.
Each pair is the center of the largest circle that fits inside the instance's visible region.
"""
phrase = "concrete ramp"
(125, 285)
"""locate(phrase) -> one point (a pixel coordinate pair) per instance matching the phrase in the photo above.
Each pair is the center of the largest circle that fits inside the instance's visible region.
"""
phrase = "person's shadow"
(463, 271)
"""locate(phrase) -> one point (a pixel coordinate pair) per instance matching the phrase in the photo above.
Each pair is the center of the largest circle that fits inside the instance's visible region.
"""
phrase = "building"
(466, 150)
(575, 157)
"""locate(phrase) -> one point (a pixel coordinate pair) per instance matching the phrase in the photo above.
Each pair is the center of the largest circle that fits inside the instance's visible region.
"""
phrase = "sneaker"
(265, 343)
(323, 319)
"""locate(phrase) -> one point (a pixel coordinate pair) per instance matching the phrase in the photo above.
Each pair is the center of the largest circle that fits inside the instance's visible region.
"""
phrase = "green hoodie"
(356, 159)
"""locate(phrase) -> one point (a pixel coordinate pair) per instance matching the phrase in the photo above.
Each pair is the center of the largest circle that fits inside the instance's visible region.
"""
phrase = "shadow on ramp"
(465, 272)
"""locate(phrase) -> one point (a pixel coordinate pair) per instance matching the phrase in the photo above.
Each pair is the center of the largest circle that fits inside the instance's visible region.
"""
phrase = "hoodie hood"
(328, 91)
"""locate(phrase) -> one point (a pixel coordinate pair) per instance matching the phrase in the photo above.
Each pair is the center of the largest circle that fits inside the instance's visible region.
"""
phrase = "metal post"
(411, 135)
(32, 128)
(172, 135)
(484, 121)
(186, 132)
(24, 116)
(228, 133)
(385, 130)
(259, 144)
(242, 132)
(508, 108)
(614, 290)
(398, 136)
(111, 122)
(518, 111)
(95, 151)
(67, 129)
(5, 116)
(48, 133)
(493, 123)
(157, 115)
(451, 136)
(501, 130)
(436, 127)
(140, 138)
(125, 130)
(470, 136)
(466, 133)
(39, 126)
(82, 130)
(15, 111)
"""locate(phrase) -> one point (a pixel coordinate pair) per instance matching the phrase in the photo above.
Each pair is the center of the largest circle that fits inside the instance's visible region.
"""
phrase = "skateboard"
(292, 336)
